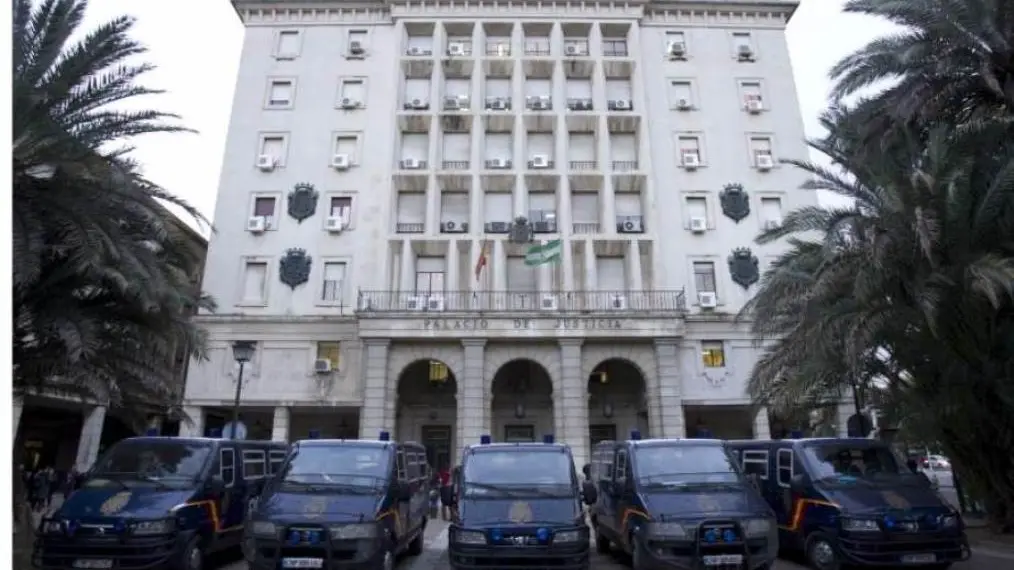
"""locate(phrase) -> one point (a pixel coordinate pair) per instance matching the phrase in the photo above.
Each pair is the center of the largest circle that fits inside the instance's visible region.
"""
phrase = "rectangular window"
(264, 207)
(676, 44)
(227, 466)
(771, 212)
(352, 91)
(254, 464)
(760, 147)
(429, 275)
(277, 458)
(280, 93)
(681, 96)
(287, 46)
(704, 277)
(743, 44)
(697, 208)
(402, 471)
(750, 93)
(273, 146)
(497, 207)
(330, 351)
(713, 353)
(614, 48)
(341, 207)
(347, 145)
(755, 462)
(784, 464)
(690, 149)
(356, 47)
(585, 208)
(621, 465)
(520, 277)
(255, 280)
(334, 282)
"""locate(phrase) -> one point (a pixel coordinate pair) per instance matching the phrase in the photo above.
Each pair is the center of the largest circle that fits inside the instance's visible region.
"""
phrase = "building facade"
(446, 219)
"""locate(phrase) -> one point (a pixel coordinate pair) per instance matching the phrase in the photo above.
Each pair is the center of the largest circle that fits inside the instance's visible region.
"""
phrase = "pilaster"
(571, 401)
(280, 424)
(762, 424)
(194, 427)
(407, 284)
(473, 409)
(377, 412)
(590, 267)
(666, 403)
(91, 437)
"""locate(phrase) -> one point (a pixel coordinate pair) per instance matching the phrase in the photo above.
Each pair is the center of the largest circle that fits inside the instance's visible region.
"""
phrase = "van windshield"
(495, 472)
(352, 465)
(844, 460)
(154, 459)
(686, 464)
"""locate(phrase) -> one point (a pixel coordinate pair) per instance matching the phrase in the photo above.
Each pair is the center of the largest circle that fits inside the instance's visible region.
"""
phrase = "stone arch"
(547, 357)
(641, 359)
(403, 356)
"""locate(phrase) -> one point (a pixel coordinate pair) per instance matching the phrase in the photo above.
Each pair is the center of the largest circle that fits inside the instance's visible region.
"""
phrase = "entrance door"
(519, 433)
(437, 440)
(602, 432)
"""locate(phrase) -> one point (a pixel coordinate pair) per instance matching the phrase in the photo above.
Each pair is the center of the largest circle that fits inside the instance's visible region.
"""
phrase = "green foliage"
(104, 277)
(912, 285)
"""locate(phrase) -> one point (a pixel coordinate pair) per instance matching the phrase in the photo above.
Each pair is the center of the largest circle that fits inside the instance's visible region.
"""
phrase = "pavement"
(434, 557)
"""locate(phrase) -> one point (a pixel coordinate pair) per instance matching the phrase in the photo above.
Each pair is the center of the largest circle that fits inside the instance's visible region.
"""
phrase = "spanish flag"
(482, 261)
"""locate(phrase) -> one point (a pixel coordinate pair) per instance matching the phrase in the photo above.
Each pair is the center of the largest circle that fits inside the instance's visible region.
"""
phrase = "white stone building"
(378, 149)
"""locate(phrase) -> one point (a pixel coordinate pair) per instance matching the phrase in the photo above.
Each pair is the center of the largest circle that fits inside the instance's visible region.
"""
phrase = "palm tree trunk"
(24, 529)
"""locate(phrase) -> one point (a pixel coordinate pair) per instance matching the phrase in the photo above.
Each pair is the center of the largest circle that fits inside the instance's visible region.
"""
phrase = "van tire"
(602, 545)
(192, 556)
(415, 548)
(820, 552)
(638, 560)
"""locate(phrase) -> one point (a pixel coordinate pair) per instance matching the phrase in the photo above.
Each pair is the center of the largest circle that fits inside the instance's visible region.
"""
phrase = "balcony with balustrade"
(560, 303)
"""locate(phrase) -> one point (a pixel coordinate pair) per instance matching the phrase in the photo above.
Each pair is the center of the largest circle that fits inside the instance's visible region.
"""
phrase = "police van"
(679, 503)
(342, 503)
(158, 502)
(519, 505)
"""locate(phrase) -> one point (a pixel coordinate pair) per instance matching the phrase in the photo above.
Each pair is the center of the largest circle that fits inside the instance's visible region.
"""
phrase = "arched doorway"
(522, 404)
(426, 410)
(616, 401)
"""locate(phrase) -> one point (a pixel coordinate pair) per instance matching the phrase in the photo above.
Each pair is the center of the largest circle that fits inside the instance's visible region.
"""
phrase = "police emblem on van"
(708, 504)
(115, 504)
(315, 507)
(520, 512)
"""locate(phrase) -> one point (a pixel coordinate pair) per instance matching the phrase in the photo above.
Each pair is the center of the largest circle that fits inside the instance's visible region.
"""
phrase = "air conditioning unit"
(772, 224)
(683, 105)
(348, 103)
(765, 161)
(266, 162)
(499, 104)
(356, 48)
(676, 50)
(434, 303)
(452, 227)
(698, 225)
(340, 162)
(497, 227)
(572, 50)
(745, 53)
(412, 164)
(322, 366)
(620, 105)
(540, 161)
(417, 104)
(548, 303)
(415, 51)
(256, 224)
(544, 227)
(455, 49)
(618, 303)
(630, 225)
(754, 105)
(415, 303)
(498, 163)
(691, 160)
(541, 104)
(451, 104)
(335, 224)
(707, 299)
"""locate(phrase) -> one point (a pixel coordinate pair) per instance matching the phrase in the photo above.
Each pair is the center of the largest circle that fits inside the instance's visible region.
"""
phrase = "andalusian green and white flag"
(548, 252)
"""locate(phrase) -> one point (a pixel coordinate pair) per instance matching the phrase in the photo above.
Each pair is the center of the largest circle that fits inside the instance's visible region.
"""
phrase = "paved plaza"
(435, 557)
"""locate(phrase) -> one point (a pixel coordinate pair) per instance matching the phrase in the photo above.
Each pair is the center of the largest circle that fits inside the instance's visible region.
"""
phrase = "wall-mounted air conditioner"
(412, 164)
(548, 303)
(266, 162)
(340, 162)
(455, 48)
(434, 303)
(698, 225)
(350, 103)
(630, 225)
(765, 161)
(691, 160)
(498, 163)
(676, 50)
(256, 225)
(415, 303)
(334, 224)
(707, 299)
(744, 53)
(539, 161)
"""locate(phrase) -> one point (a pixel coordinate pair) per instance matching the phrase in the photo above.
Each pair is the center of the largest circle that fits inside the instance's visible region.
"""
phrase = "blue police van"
(679, 503)
(342, 504)
(849, 501)
(158, 503)
(519, 506)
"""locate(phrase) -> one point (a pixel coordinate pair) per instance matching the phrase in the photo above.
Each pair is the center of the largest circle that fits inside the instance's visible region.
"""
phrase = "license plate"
(722, 559)
(302, 562)
(92, 563)
(919, 558)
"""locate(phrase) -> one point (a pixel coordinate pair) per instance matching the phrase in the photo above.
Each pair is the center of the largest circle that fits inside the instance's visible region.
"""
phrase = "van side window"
(414, 469)
(621, 465)
(400, 461)
(755, 462)
(784, 464)
(227, 466)
(254, 464)
(608, 462)
(277, 458)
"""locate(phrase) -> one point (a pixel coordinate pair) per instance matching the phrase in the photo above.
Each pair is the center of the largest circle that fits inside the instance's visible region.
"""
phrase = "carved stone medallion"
(735, 202)
(744, 267)
(521, 230)
(302, 201)
(294, 269)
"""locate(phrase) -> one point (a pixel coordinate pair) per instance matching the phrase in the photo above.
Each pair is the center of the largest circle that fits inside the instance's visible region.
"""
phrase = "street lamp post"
(242, 352)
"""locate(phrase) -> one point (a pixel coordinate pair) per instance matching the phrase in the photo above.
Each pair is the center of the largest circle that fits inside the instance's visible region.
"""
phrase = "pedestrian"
(40, 488)
(455, 491)
(445, 493)
(55, 482)
(69, 482)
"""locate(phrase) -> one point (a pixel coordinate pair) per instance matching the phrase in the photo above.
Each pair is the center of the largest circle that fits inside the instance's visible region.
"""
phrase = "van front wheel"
(192, 557)
(820, 553)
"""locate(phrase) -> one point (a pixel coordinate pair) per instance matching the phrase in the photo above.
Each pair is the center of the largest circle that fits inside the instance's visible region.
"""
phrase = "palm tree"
(103, 275)
(912, 286)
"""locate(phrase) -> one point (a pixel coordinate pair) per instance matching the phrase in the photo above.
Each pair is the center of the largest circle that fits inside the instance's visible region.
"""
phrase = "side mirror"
(216, 485)
(589, 493)
(403, 491)
(798, 483)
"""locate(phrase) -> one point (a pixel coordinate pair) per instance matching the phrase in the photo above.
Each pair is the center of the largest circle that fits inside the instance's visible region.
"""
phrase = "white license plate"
(92, 563)
(721, 559)
(302, 562)
(919, 558)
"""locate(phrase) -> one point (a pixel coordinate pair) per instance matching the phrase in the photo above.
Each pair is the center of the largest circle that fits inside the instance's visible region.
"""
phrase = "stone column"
(669, 400)
(19, 404)
(452, 282)
(590, 268)
(761, 424)
(472, 411)
(571, 401)
(407, 275)
(499, 264)
(635, 282)
(195, 427)
(845, 410)
(280, 424)
(373, 417)
(91, 437)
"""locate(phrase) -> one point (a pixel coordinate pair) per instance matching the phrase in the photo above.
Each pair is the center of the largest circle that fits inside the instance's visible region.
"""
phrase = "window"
(742, 45)
(676, 44)
(614, 48)
(400, 464)
(330, 351)
(341, 207)
(287, 44)
(771, 212)
(704, 277)
(265, 207)
(620, 473)
(274, 145)
(760, 149)
(438, 371)
(280, 93)
(352, 92)
(755, 462)
(255, 282)
(347, 144)
(784, 464)
(227, 466)
(429, 275)
(697, 209)
(333, 283)
(681, 96)
(713, 354)
(356, 48)
(254, 465)
(690, 151)
(276, 459)
(751, 95)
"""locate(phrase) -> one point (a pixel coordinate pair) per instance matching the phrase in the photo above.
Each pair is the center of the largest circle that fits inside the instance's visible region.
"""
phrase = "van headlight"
(755, 528)
(468, 537)
(144, 528)
(949, 521)
(263, 529)
(352, 531)
(666, 530)
(859, 525)
(51, 527)
(567, 536)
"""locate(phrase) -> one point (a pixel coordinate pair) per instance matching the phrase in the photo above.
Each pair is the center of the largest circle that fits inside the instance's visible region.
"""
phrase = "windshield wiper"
(515, 490)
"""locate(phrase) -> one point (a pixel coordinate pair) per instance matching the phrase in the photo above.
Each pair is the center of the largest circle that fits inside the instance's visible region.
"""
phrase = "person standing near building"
(446, 492)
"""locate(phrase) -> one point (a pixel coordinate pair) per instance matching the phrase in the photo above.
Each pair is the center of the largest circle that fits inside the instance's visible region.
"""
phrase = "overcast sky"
(196, 45)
